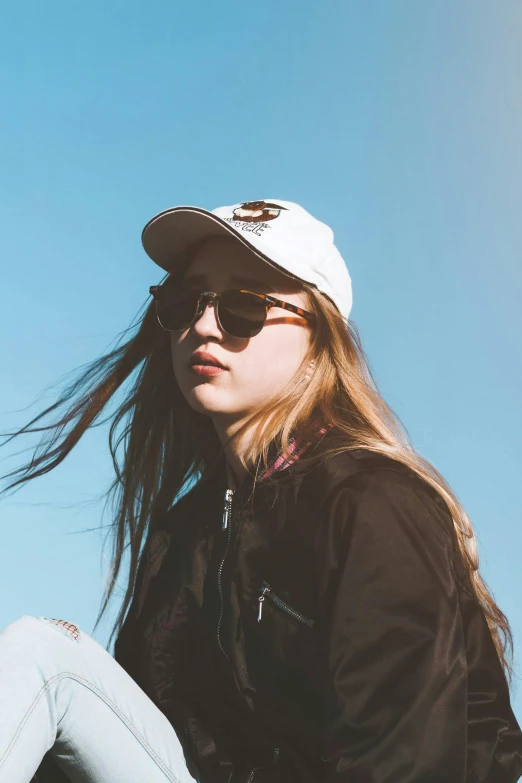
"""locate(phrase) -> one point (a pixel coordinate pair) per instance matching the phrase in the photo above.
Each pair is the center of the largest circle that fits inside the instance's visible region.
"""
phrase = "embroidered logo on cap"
(257, 212)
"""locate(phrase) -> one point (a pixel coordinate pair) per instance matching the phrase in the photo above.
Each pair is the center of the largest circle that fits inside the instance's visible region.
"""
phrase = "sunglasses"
(239, 313)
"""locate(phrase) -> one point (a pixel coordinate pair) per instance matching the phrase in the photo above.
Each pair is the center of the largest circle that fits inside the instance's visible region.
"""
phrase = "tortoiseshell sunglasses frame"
(210, 296)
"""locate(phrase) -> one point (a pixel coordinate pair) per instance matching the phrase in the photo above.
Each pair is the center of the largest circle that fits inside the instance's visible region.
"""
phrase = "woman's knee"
(27, 627)
(70, 630)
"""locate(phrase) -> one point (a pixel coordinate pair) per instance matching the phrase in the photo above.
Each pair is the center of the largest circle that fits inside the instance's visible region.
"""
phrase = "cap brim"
(168, 234)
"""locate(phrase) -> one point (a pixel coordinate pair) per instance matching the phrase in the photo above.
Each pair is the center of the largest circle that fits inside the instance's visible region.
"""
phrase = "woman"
(307, 604)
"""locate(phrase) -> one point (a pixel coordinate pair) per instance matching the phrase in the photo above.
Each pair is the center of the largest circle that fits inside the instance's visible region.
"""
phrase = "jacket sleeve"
(396, 649)
(128, 647)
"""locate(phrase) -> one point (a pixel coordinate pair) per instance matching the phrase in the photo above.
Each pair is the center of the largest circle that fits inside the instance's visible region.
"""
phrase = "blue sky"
(397, 123)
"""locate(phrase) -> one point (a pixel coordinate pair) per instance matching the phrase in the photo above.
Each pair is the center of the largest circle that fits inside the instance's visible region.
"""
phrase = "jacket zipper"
(226, 518)
(227, 508)
(253, 771)
(267, 592)
(227, 513)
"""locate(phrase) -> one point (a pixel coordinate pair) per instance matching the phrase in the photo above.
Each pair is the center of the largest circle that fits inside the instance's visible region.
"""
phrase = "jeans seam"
(110, 704)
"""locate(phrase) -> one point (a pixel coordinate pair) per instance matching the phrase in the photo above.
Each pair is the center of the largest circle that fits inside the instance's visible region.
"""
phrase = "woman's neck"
(232, 480)
(236, 471)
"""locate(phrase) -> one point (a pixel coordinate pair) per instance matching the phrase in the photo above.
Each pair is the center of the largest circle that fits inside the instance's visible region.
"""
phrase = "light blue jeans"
(61, 691)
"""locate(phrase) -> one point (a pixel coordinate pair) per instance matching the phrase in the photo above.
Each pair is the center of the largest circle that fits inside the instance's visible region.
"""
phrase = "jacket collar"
(278, 460)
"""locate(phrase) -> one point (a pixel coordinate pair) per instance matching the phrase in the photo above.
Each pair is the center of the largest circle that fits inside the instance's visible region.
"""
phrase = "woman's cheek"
(266, 373)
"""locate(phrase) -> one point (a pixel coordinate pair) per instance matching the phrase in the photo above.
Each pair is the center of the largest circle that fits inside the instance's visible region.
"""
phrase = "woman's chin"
(208, 400)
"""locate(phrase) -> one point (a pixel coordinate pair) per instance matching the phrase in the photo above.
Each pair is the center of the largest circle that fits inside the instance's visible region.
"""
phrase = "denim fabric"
(61, 692)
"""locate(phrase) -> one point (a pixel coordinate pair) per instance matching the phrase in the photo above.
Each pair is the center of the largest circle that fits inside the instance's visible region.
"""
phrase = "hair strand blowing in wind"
(166, 444)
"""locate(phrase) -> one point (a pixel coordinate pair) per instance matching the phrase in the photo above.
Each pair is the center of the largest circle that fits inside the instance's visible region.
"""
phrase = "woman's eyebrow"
(240, 280)
(236, 279)
(201, 279)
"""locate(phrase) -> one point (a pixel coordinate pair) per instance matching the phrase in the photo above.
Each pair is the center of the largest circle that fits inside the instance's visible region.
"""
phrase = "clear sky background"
(399, 123)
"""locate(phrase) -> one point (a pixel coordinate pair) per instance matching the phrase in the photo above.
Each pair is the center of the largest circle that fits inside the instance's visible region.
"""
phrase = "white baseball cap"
(282, 233)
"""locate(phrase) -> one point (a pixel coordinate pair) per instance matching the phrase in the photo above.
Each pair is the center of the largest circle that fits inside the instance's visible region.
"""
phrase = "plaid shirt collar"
(296, 448)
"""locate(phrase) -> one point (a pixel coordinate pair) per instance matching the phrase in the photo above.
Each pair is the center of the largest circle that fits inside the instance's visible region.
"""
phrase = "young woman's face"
(257, 368)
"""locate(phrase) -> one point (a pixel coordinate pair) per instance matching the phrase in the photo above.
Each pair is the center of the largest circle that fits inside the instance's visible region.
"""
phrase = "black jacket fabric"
(367, 659)
(371, 661)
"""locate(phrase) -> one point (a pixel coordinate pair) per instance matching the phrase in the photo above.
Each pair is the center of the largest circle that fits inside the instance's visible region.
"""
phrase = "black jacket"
(324, 632)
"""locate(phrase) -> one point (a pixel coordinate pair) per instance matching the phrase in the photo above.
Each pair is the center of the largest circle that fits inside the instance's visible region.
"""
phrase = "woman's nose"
(207, 323)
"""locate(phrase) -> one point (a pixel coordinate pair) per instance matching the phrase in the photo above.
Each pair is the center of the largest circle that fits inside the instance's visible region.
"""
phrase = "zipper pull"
(227, 507)
(261, 599)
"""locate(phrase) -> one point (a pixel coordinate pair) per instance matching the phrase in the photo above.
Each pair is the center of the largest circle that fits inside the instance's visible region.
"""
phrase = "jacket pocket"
(267, 593)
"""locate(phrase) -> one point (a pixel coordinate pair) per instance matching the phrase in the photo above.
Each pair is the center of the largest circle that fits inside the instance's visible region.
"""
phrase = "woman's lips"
(206, 369)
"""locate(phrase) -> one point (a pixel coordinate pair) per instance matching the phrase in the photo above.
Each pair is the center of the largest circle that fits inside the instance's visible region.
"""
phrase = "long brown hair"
(167, 445)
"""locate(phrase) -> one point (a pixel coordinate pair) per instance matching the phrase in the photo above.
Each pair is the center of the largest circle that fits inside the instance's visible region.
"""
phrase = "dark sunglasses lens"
(176, 306)
(242, 314)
